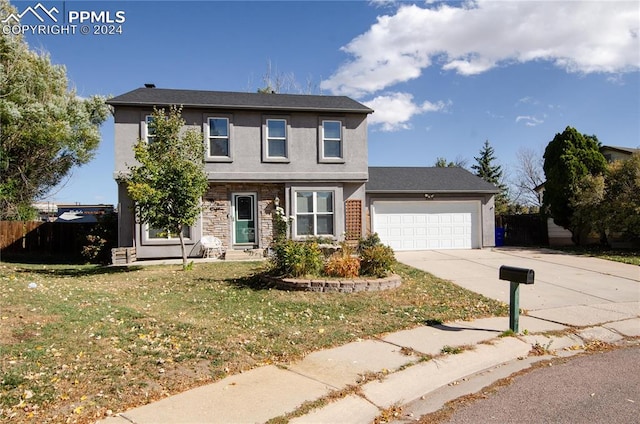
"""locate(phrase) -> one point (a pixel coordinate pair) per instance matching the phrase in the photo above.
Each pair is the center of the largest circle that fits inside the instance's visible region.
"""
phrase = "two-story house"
(304, 153)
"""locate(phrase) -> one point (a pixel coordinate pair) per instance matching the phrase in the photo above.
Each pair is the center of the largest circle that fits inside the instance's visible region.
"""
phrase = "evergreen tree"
(570, 161)
(486, 168)
(443, 163)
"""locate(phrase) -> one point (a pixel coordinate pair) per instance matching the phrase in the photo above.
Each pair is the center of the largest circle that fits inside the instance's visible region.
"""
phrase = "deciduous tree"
(529, 176)
(621, 205)
(168, 184)
(45, 128)
(587, 203)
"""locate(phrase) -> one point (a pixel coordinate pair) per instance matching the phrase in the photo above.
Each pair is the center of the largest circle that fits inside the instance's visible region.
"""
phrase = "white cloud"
(383, 3)
(494, 115)
(393, 111)
(577, 36)
(527, 100)
(529, 121)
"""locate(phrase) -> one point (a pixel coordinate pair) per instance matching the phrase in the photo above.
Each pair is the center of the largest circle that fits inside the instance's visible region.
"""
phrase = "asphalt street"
(594, 388)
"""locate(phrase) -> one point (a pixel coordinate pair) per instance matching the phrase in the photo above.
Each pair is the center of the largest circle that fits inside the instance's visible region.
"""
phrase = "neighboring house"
(51, 212)
(613, 153)
(82, 213)
(308, 155)
(47, 211)
(431, 208)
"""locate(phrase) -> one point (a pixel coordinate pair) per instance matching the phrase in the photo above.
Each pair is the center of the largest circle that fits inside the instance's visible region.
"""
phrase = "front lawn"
(627, 256)
(80, 341)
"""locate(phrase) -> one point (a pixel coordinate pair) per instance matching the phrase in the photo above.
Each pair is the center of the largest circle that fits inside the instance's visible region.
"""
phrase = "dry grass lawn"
(89, 341)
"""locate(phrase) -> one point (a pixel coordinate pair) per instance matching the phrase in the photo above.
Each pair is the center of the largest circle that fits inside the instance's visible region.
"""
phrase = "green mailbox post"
(516, 276)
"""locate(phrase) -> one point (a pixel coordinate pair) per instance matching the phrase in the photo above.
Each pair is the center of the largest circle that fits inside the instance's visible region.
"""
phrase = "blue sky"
(443, 77)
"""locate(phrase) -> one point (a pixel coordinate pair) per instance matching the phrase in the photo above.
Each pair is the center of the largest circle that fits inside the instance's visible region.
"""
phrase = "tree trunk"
(184, 250)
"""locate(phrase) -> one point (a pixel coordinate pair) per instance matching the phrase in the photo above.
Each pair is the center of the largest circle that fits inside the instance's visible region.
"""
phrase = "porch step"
(244, 255)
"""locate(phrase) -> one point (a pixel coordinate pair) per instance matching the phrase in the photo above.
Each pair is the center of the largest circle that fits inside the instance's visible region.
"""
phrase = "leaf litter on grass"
(88, 341)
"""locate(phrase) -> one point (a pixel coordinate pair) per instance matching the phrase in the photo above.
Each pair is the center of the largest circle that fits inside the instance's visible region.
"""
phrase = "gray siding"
(247, 142)
(247, 169)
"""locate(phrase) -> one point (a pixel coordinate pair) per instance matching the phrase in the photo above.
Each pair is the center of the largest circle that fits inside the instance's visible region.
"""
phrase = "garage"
(424, 225)
(423, 208)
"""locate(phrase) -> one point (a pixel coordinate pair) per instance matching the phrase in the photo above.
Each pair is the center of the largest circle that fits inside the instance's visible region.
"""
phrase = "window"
(148, 133)
(218, 137)
(161, 234)
(276, 136)
(331, 140)
(314, 213)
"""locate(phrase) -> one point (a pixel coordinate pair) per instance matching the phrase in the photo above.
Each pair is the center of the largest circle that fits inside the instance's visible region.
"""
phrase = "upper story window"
(218, 136)
(314, 213)
(275, 146)
(331, 144)
(148, 133)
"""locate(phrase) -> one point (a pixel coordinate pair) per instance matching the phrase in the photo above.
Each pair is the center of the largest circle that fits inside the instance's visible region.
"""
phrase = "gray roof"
(231, 100)
(425, 180)
(629, 150)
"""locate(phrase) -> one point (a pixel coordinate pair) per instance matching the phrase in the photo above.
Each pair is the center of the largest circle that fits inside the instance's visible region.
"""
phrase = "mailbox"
(517, 275)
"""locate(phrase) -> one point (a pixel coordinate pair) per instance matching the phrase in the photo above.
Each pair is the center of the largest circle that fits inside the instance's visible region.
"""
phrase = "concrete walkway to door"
(568, 289)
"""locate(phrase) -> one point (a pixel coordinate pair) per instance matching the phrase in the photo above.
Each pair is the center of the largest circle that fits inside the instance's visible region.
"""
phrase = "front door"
(244, 221)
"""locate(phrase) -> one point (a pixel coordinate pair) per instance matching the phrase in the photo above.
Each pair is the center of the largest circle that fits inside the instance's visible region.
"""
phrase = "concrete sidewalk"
(408, 368)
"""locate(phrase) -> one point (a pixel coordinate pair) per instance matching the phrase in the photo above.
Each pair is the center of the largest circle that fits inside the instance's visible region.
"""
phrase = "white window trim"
(265, 139)
(144, 133)
(321, 140)
(207, 136)
(146, 240)
(254, 216)
(315, 212)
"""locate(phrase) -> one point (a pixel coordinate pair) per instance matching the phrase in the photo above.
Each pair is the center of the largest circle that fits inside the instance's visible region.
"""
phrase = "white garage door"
(424, 225)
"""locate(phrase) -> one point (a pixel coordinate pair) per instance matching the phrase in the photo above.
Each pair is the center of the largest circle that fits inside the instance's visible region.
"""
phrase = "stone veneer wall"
(216, 219)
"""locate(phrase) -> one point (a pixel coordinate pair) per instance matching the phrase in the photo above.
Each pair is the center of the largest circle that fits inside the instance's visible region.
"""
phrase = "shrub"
(295, 259)
(94, 247)
(343, 264)
(376, 260)
(280, 225)
(370, 241)
(102, 238)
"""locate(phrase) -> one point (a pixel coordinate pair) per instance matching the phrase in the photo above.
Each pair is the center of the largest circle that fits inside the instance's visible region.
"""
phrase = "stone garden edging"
(347, 285)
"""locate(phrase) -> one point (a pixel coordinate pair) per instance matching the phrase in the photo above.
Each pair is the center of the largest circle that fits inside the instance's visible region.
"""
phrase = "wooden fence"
(524, 230)
(46, 238)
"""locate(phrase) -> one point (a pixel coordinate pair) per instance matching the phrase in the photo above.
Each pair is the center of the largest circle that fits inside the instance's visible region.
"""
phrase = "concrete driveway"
(568, 289)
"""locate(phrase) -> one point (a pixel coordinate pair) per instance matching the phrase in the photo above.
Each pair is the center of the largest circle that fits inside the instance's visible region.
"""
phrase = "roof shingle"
(426, 179)
(234, 100)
